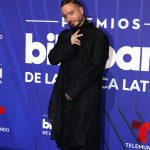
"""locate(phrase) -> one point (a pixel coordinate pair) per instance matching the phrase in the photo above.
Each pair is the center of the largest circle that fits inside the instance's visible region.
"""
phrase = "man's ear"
(81, 10)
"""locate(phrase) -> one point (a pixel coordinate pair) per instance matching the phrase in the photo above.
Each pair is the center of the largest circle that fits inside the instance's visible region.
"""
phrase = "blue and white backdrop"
(28, 31)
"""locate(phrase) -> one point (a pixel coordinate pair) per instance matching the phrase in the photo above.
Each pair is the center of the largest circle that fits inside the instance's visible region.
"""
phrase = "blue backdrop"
(29, 30)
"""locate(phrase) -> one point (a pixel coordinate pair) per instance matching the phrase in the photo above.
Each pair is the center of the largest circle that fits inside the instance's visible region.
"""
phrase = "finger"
(77, 40)
(67, 97)
(76, 32)
(77, 43)
(79, 35)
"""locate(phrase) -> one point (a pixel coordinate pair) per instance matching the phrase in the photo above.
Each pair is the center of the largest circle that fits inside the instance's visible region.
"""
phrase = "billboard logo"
(130, 58)
(36, 52)
(126, 58)
(47, 127)
(143, 129)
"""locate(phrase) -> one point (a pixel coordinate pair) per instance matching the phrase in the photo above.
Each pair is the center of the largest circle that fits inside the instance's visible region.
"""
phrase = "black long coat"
(76, 122)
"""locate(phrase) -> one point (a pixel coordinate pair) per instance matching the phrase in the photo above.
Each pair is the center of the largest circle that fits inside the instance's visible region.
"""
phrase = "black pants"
(92, 136)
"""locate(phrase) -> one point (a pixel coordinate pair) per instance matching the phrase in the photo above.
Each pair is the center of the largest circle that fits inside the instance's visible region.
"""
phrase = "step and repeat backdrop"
(29, 30)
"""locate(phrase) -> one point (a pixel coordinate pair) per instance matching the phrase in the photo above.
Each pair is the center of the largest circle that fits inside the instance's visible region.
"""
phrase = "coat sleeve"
(94, 70)
(62, 49)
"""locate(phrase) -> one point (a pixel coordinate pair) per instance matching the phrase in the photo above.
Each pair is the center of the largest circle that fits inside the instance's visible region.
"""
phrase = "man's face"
(73, 14)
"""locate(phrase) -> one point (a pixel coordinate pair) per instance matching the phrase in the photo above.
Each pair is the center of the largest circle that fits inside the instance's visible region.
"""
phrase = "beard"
(76, 24)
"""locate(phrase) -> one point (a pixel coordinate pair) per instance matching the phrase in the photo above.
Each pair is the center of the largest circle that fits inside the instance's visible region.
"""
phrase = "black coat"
(76, 122)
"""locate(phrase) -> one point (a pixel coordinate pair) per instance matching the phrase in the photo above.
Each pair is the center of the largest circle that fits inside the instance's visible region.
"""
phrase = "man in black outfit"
(74, 108)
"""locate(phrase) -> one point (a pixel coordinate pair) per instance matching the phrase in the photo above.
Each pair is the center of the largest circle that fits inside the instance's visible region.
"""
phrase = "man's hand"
(74, 38)
(68, 97)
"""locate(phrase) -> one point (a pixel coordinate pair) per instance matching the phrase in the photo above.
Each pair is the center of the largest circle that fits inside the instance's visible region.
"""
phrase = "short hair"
(77, 2)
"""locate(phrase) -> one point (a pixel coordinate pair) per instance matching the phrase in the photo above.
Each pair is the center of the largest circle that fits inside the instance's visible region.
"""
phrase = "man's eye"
(72, 12)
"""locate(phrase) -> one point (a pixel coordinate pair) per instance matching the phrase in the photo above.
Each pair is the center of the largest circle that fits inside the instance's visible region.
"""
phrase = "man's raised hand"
(74, 38)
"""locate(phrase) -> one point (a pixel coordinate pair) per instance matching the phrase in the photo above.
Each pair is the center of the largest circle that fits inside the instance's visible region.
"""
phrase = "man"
(74, 109)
